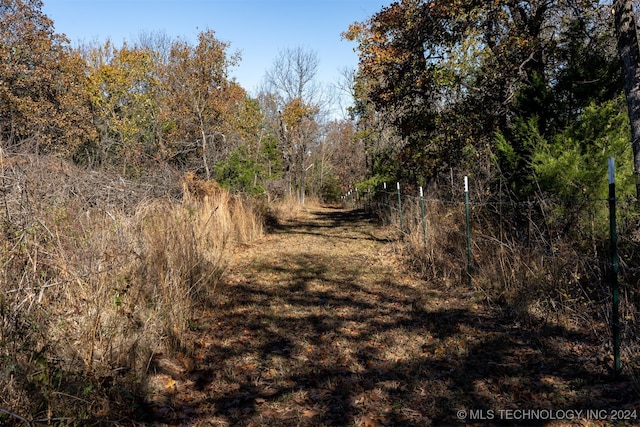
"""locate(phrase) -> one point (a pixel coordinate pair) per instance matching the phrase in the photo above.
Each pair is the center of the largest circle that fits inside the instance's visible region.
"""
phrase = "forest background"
(525, 97)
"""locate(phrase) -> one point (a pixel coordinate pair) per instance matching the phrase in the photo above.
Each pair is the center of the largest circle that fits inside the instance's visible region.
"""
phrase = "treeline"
(160, 101)
(527, 95)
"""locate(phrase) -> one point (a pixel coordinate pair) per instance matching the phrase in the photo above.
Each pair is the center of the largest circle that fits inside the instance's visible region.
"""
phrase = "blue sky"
(259, 29)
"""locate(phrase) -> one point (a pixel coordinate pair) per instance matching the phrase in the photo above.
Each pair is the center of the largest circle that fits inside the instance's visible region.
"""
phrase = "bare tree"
(294, 75)
(157, 42)
(345, 90)
(292, 83)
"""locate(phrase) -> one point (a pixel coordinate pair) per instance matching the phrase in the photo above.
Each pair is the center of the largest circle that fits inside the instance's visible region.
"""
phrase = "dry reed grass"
(538, 279)
(99, 275)
(290, 208)
(505, 269)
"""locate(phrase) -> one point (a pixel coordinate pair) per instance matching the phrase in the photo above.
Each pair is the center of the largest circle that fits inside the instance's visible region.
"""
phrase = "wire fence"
(543, 251)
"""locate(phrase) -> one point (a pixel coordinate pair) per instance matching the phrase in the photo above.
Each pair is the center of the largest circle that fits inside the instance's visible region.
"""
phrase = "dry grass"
(94, 286)
(322, 324)
(436, 249)
(559, 281)
(290, 208)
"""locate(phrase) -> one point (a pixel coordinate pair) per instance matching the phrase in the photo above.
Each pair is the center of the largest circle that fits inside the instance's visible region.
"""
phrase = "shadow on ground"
(333, 223)
(331, 337)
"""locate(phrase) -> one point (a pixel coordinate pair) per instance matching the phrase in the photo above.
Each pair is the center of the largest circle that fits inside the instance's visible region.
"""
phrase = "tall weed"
(91, 290)
(526, 260)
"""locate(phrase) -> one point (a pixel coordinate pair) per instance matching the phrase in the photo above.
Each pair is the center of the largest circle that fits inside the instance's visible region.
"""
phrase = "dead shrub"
(97, 280)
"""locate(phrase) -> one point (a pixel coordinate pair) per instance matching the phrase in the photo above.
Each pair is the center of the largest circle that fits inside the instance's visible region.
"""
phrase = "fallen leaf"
(310, 413)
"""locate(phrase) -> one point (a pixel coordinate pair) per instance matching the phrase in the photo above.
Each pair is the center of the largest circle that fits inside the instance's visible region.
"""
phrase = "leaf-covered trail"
(319, 323)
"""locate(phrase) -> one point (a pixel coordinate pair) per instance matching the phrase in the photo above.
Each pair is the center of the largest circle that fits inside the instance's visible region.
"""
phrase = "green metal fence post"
(466, 205)
(613, 247)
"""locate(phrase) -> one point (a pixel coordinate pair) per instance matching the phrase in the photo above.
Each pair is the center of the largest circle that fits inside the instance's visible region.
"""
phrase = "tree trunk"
(203, 133)
(629, 51)
(204, 152)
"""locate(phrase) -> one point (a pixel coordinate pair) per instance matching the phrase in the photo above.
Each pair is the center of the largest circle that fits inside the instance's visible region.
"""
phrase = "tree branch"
(27, 422)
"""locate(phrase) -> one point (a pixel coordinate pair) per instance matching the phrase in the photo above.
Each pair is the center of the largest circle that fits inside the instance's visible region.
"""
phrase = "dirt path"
(320, 324)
